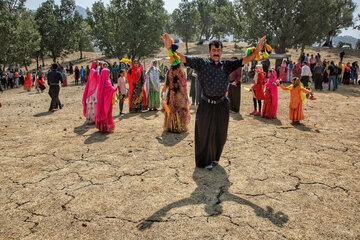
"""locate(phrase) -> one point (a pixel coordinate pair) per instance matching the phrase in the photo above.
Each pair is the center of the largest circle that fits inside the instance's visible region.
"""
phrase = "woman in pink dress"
(283, 68)
(104, 120)
(271, 97)
(90, 95)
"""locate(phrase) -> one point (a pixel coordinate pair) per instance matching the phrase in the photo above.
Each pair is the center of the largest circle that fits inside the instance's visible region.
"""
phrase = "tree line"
(132, 28)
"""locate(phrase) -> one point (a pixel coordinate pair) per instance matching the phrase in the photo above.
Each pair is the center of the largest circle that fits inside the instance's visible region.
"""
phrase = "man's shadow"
(212, 195)
(171, 139)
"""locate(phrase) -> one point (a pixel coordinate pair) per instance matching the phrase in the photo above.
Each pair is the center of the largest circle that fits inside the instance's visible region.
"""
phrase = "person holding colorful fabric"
(90, 94)
(177, 113)
(153, 75)
(212, 116)
(105, 94)
(271, 97)
(258, 89)
(27, 82)
(136, 80)
(297, 97)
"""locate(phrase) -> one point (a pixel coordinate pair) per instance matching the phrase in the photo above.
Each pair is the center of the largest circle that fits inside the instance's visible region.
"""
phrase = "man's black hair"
(121, 71)
(54, 66)
(215, 43)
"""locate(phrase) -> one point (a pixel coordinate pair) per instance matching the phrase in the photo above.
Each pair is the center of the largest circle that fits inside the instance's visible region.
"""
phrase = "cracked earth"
(61, 179)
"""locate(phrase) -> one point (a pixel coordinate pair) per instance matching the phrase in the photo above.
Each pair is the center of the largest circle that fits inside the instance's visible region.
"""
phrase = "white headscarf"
(154, 76)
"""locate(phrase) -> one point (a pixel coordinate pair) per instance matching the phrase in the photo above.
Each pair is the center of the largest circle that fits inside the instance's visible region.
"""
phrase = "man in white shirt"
(305, 76)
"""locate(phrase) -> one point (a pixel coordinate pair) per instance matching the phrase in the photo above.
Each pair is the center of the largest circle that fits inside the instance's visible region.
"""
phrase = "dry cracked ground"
(61, 179)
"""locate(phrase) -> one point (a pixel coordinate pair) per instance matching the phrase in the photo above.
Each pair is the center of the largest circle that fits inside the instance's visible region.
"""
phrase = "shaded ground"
(61, 179)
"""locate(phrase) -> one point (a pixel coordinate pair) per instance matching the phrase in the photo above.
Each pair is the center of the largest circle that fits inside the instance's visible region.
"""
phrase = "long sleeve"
(284, 88)
(305, 90)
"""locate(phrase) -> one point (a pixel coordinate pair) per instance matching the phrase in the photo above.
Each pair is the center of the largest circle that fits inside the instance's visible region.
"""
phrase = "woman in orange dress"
(297, 97)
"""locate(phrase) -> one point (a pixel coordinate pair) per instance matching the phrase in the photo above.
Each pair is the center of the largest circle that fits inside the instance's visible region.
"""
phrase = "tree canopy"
(128, 28)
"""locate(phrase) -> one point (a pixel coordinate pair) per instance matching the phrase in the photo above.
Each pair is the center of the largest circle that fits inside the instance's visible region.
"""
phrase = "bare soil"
(62, 179)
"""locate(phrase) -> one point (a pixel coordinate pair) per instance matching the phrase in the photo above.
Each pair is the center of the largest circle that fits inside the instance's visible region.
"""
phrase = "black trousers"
(54, 91)
(211, 127)
(234, 94)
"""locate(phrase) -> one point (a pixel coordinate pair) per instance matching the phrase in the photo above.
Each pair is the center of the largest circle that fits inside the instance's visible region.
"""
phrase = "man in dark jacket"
(54, 78)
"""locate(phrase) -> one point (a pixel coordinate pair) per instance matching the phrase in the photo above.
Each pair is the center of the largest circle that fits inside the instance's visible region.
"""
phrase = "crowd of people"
(215, 90)
(321, 71)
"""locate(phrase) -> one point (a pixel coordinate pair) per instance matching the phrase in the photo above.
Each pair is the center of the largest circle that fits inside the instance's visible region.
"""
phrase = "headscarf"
(135, 73)
(91, 85)
(105, 95)
(271, 80)
(153, 75)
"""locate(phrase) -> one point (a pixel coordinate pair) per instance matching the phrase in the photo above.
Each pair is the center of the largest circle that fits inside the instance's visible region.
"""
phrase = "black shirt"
(54, 77)
(213, 78)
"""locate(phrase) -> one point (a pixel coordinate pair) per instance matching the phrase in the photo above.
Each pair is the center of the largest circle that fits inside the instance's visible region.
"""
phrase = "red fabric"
(259, 85)
(91, 85)
(27, 82)
(235, 76)
(133, 78)
(16, 74)
(104, 121)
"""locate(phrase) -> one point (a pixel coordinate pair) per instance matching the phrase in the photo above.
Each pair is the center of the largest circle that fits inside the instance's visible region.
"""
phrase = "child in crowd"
(297, 97)
(271, 97)
(122, 90)
(258, 89)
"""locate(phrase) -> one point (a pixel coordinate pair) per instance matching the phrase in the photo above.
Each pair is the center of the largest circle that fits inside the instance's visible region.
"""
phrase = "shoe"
(209, 168)
(215, 163)
(253, 113)
(257, 114)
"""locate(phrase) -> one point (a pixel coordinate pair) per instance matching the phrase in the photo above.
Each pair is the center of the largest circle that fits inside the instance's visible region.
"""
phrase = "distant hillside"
(346, 39)
(81, 10)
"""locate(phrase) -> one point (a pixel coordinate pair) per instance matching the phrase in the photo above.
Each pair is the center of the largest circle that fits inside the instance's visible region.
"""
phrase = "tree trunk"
(42, 58)
(37, 61)
(302, 50)
(187, 48)
(281, 48)
(80, 47)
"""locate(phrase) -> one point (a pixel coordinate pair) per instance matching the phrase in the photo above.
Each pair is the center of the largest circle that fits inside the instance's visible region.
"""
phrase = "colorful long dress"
(283, 75)
(271, 98)
(90, 95)
(177, 117)
(296, 113)
(27, 82)
(135, 78)
(153, 74)
(104, 120)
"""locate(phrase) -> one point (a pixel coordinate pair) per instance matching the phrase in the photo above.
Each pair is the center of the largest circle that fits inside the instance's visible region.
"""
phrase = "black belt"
(213, 100)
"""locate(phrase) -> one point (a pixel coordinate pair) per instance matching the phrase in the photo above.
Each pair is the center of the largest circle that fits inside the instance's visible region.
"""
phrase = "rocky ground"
(62, 179)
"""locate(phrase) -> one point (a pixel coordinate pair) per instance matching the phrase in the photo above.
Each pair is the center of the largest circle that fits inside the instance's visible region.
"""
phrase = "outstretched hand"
(260, 44)
(167, 41)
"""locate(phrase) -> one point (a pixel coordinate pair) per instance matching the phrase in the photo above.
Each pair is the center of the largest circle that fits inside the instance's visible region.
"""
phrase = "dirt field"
(61, 179)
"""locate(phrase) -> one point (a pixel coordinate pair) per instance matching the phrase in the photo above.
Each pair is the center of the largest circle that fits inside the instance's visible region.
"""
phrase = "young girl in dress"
(271, 97)
(258, 89)
(297, 97)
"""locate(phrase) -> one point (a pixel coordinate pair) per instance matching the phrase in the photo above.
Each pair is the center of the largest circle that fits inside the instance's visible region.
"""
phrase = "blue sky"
(170, 5)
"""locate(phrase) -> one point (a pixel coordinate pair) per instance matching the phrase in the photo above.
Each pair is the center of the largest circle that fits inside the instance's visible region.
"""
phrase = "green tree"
(288, 23)
(56, 24)
(18, 34)
(185, 19)
(340, 15)
(206, 18)
(128, 28)
(27, 39)
(81, 35)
